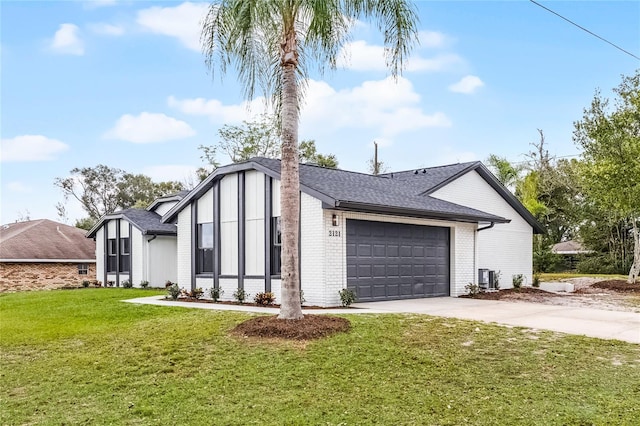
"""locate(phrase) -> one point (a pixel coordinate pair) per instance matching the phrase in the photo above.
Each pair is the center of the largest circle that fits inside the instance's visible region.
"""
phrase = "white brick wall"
(254, 286)
(184, 248)
(312, 272)
(229, 286)
(505, 247)
(462, 257)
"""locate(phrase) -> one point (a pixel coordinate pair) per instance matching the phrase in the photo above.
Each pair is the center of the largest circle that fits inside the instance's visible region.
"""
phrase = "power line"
(584, 29)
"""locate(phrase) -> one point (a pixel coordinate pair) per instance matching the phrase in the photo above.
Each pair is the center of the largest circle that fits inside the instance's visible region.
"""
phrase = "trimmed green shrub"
(240, 295)
(215, 293)
(517, 280)
(174, 291)
(347, 297)
(144, 284)
(265, 298)
(127, 284)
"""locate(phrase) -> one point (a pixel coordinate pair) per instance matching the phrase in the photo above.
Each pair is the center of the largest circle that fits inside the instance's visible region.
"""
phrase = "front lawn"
(84, 357)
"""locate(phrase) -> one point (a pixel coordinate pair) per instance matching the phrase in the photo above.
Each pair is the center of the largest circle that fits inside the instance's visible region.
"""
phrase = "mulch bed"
(509, 293)
(227, 302)
(309, 327)
(618, 285)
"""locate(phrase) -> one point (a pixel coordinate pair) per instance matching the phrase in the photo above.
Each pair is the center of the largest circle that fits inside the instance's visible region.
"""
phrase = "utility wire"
(584, 29)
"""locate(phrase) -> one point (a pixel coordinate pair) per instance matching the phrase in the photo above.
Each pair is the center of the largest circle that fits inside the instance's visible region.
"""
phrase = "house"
(571, 252)
(413, 234)
(43, 254)
(135, 245)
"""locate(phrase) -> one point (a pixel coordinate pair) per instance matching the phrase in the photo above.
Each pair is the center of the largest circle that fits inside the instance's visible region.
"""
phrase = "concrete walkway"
(598, 323)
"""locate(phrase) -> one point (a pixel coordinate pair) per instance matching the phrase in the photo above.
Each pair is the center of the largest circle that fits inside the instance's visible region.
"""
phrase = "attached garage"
(389, 261)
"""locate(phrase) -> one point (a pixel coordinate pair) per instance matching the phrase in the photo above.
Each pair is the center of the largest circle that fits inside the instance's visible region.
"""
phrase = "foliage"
(85, 223)
(610, 140)
(271, 45)
(216, 293)
(264, 298)
(85, 283)
(309, 154)
(130, 362)
(496, 279)
(536, 280)
(517, 280)
(544, 260)
(602, 263)
(174, 291)
(302, 299)
(472, 289)
(240, 295)
(127, 284)
(144, 284)
(508, 174)
(196, 293)
(102, 189)
(347, 297)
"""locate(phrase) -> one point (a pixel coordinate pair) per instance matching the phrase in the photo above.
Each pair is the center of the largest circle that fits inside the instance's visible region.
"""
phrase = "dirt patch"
(618, 285)
(524, 293)
(308, 328)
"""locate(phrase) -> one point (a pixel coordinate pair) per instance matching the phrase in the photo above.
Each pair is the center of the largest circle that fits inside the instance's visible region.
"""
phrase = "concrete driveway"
(599, 323)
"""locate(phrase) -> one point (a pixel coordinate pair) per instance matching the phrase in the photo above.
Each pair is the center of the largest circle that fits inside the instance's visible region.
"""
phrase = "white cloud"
(30, 148)
(148, 128)
(217, 111)
(432, 39)
(182, 22)
(106, 29)
(19, 187)
(179, 172)
(361, 56)
(467, 85)
(67, 41)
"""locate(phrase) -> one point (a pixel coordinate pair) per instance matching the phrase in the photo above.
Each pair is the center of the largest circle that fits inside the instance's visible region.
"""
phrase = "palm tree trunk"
(290, 307)
(634, 272)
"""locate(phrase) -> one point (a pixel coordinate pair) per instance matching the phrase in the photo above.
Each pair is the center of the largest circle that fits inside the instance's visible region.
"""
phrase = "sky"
(124, 84)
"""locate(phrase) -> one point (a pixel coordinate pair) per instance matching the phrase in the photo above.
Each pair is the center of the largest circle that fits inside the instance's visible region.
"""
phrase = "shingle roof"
(149, 223)
(45, 240)
(357, 191)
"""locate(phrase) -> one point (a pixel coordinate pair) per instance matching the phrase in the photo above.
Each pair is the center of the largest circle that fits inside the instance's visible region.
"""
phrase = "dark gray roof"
(168, 198)
(428, 179)
(347, 190)
(149, 223)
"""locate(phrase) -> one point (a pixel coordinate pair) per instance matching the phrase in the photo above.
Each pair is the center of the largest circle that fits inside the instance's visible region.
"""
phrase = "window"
(83, 269)
(276, 245)
(125, 254)
(111, 255)
(204, 261)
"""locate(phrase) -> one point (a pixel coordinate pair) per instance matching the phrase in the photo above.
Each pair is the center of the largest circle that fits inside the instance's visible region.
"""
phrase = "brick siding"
(42, 276)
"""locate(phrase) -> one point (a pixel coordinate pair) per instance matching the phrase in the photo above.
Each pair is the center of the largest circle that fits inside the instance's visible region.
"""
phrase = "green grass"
(84, 357)
(565, 275)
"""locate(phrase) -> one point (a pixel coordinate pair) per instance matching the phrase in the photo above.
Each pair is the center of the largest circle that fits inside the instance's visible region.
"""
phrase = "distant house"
(412, 234)
(43, 254)
(570, 252)
(134, 245)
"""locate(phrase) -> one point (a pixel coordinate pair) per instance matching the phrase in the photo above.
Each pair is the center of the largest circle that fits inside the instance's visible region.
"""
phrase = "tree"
(373, 164)
(259, 139)
(102, 189)
(272, 43)
(610, 139)
(507, 173)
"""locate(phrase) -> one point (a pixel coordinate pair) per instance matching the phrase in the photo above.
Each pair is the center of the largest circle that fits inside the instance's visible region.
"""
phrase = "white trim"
(48, 260)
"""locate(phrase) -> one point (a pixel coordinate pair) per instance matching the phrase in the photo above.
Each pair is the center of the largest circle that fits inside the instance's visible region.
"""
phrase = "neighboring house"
(43, 254)
(134, 245)
(570, 251)
(414, 234)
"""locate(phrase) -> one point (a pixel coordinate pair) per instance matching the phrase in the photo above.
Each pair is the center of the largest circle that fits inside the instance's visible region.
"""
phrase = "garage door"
(387, 261)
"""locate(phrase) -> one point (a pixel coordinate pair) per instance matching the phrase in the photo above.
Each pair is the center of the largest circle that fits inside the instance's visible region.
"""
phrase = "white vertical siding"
(506, 247)
(312, 272)
(254, 223)
(124, 229)
(100, 255)
(163, 208)
(111, 228)
(205, 207)
(162, 261)
(229, 225)
(183, 250)
(138, 256)
(275, 198)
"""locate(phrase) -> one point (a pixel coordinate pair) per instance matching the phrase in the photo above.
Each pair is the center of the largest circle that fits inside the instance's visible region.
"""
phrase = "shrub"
(240, 295)
(265, 298)
(110, 283)
(144, 284)
(85, 283)
(196, 293)
(302, 299)
(174, 291)
(97, 283)
(347, 297)
(472, 289)
(517, 280)
(215, 293)
(496, 279)
(536, 280)
(168, 284)
(127, 284)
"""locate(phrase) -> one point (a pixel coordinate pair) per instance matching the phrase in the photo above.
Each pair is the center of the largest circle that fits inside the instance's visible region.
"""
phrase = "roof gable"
(46, 240)
(147, 222)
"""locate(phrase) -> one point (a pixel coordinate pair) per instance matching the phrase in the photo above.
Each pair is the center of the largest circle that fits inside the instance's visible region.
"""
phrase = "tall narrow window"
(276, 245)
(125, 255)
(204, 264)
(111, 255)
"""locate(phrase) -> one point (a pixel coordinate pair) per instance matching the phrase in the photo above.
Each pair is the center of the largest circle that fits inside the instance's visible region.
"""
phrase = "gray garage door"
(387, 261)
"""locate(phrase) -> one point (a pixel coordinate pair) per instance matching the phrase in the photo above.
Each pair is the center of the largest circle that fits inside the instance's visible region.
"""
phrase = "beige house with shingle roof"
(43, 254)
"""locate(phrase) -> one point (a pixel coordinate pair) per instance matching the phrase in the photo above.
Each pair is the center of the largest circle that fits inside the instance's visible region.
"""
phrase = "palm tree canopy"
(250, 36)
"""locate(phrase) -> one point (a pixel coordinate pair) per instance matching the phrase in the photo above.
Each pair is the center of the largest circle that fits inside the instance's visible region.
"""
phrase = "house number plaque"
(333, 233)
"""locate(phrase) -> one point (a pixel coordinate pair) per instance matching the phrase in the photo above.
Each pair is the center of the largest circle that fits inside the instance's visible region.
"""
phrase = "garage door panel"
(397, 261)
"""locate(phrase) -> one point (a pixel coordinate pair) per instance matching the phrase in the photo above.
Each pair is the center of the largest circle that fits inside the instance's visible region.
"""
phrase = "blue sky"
(123, 83)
